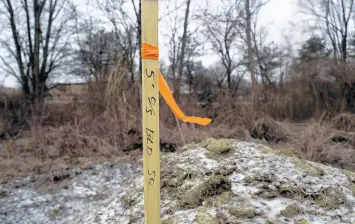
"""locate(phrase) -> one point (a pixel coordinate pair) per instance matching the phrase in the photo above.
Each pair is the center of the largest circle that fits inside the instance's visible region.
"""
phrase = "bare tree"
(175, 45)
(193, 68)
(182, 50)
(332, 18)
(39, 34)
(185, 44)
(222, 28)
(126, 28)
(98, 53)
(250, 11)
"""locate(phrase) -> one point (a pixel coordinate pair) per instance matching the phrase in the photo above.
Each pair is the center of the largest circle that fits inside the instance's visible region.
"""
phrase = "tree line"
(43, 39)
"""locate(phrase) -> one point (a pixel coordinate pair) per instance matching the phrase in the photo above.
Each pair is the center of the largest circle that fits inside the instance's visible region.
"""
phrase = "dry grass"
(345, 122)
(106, 123)
(78, 134)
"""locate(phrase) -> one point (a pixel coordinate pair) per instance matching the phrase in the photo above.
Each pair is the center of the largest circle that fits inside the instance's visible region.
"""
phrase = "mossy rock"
(307, 167)
(245, 213)
(302, 221)
(206, 219)
(224, 198)
(218, 146)
(291, 211)
(214, 185)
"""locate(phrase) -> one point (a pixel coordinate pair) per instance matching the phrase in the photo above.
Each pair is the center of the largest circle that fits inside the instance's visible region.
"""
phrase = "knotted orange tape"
(152, 52)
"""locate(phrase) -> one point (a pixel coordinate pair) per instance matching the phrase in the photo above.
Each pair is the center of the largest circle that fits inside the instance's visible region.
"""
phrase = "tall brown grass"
(306, 114)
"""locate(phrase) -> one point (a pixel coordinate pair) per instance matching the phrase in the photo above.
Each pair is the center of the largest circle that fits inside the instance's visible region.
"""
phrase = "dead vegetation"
(106, 123)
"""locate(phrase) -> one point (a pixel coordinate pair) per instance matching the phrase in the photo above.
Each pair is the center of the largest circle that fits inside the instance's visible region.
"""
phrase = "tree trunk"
(182, 52)
(344, 47)
(250, 54)
(229, 73)
(139, 40)
(37, 33)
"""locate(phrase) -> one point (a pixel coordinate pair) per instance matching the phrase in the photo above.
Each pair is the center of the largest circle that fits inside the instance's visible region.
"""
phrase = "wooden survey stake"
(150, 113)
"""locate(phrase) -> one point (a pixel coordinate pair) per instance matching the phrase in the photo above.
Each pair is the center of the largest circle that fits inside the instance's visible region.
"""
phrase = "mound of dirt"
(249, 184)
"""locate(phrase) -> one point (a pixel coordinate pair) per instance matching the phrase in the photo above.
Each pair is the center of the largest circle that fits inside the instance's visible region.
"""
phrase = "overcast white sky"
(277, 15)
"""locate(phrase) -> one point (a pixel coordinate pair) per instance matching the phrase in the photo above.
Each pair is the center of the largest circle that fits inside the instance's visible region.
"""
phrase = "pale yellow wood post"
(150, 113)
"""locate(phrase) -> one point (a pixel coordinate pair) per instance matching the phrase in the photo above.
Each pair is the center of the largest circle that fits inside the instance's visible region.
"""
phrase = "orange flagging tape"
(152, 52)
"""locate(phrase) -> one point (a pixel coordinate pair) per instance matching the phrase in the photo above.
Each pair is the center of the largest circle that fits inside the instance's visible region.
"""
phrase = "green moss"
(224, 198)
(305, 166)
(190, 174)
(219, 146)
(74, 161)
(327, 198)
(205, 219)
(87, 167)
(291, 152)
(268, 222)
(167, 221)
(350, 174)
(55, 213)
(351, 178)
(208, 202)
(3, 193)
(225, 171)
(291, 191)
(267, 150)
(302, 221)
(99, 197)
(268, 195)
(291, 211)
(260, 212)
(330, 199)
(215, 185)
(239, 212)
(174, 183)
